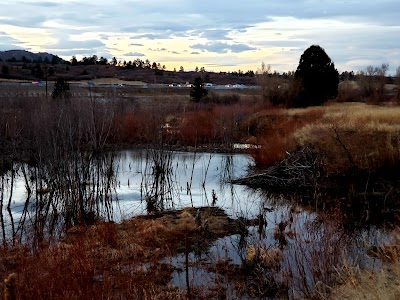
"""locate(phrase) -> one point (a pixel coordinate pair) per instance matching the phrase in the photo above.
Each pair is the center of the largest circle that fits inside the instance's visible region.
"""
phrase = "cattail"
(9, 287)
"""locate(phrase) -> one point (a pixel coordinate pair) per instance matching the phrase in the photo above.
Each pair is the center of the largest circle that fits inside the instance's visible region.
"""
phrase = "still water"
(191, 179)
(131, 182)
(175, 179)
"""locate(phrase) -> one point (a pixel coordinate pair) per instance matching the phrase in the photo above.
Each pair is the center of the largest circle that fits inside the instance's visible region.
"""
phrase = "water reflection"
(43, 198)
(301, 259)
(181, 179)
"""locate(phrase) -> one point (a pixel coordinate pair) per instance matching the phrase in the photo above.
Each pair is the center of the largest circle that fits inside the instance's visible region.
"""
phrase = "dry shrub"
(273, 150)
(316, 245)
(221, 99)
(267, 258)
(228, 120)
(197, 128)
(135, 128)
(129, 127)
(276, 133)
(348, 91)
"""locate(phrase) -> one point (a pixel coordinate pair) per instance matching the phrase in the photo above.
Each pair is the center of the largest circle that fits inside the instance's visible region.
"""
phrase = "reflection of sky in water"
(205, 173)
(202, 172)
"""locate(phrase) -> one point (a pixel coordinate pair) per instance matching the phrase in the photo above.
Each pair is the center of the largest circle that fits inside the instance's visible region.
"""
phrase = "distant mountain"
(19, 55)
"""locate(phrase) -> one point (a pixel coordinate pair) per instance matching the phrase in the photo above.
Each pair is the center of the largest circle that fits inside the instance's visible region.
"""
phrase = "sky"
(218, 35)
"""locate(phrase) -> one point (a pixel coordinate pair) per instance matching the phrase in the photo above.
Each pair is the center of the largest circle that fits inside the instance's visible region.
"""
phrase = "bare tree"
(273, 89)
(262, 78)
(372, 81)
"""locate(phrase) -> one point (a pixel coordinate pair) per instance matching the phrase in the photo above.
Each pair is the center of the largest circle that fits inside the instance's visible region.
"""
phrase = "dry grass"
(372, 284)
(112, 261)
(267, 258)
(378, 285)
(346, 136)
(352, 136)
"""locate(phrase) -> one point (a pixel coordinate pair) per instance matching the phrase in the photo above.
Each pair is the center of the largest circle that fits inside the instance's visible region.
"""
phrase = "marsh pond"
(277, 245)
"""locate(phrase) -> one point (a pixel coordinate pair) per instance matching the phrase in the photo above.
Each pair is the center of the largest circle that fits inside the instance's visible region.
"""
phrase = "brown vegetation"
(116, 261)
(382, 283)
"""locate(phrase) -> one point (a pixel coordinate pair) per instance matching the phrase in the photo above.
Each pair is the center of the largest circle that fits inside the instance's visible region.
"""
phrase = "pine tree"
(316, 78)
(198, 91)
(61, 89)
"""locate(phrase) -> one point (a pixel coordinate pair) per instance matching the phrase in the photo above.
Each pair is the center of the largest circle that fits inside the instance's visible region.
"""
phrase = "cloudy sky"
(218, 35)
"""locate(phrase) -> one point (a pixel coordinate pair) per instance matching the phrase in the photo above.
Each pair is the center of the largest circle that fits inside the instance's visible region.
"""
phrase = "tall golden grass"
(350, 136)
(346, 136)
(382, 284)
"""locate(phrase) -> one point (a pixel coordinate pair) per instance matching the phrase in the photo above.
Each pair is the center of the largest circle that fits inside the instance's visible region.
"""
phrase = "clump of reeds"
(10, 287)
(368, 284)
(267, 258)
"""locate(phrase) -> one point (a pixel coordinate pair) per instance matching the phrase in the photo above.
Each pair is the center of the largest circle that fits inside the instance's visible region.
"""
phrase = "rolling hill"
(29, 56)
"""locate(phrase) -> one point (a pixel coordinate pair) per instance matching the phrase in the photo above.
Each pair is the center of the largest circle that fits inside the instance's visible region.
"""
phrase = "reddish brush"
(197, 127)
(272, 150)
(278, 129)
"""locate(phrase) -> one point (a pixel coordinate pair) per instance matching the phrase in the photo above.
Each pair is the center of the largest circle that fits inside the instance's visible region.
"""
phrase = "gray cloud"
(150, 36)
(68, 48)
(7, 41)
(222, 26)
(157, 49)
(42, 4)
(25, 20)
(215, 34)
(220, 47)
(73, 52)
(134, 54)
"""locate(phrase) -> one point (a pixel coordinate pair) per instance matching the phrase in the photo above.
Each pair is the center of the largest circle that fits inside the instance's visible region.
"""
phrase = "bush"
(197, 127)
(223, 99)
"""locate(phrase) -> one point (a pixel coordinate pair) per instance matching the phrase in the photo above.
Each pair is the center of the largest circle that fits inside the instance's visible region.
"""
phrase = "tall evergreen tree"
(316, 79)
(61, 89)
(198, 91)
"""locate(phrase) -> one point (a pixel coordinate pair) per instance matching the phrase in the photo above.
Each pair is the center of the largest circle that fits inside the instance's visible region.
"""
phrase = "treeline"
(54, 60)
(137, 63)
